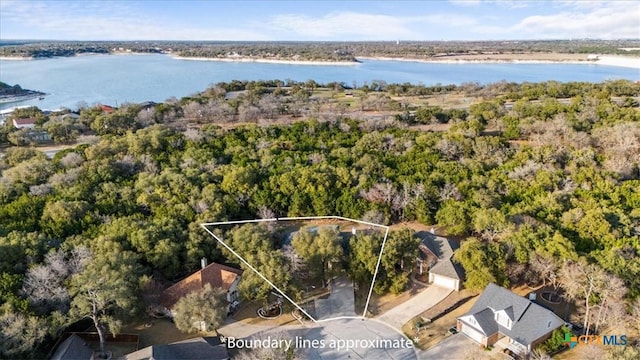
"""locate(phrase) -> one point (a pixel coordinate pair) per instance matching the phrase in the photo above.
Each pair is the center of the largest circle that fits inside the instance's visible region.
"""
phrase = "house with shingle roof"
(25, 123)
(501, 315)
(200, 348)
(73, 347)
(437, 253)
(214, 274)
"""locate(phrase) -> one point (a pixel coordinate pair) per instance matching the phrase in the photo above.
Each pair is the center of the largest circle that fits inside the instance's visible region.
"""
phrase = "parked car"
(453, 330)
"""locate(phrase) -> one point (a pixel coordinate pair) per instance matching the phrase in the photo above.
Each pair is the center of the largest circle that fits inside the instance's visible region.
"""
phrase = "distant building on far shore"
(106, 108)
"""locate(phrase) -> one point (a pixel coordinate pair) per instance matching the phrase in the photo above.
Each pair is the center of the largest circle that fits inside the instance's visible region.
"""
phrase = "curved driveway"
(415, 306)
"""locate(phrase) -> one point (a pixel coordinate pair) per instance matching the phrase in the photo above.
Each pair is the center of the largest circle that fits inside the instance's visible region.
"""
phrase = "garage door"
(444, 282)
(473, 334)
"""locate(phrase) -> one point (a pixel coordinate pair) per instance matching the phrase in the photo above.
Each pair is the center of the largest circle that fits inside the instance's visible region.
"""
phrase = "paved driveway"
(413, 307)
(340, 303)
(455, 347)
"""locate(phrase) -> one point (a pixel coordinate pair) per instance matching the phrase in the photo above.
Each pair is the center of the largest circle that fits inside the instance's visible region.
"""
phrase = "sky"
(327, 20)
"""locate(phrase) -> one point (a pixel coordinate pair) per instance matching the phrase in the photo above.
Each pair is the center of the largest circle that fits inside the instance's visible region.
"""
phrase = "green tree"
(103, 291)
(556, 341)
(363, 257)
(272, 265)
(454, 216)
(472, 255)
(203, 310)
(19, 334)
(321, 251)
(398, 260)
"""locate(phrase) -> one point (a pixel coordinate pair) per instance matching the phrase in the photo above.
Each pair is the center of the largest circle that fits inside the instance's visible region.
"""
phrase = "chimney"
(203, 262)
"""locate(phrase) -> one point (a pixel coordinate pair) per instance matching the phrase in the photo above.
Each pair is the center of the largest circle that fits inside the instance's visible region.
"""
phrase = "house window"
(503, 319)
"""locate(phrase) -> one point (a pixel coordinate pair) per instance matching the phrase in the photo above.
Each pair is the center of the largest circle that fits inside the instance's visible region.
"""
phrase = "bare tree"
(248, 113)
(539, 355)
(269, 105)
(380, 192)
(71, 160)
(193, 111)
(266, 213)
(375, 217)
(544, 267)
(146, 117)
(449, 191)
(600, 294)
(40, 190)
(194, 135)
(44, 284)
(610, 302)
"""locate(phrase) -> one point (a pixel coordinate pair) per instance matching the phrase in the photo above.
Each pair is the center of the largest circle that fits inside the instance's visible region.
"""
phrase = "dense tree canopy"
(556, 179)
(203, 310)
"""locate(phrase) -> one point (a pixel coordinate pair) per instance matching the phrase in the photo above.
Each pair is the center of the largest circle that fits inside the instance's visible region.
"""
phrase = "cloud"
(466, 2)
(513, 4)
(105, 21)
(611, 20)
(468, 20)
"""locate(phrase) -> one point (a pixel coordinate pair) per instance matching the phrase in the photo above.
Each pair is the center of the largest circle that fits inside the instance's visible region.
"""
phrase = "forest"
(535, 179)
(319, 51)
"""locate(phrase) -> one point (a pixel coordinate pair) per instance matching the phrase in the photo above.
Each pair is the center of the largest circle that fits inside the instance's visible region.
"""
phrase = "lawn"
(157, 331)
(248, 314)
(433, 333)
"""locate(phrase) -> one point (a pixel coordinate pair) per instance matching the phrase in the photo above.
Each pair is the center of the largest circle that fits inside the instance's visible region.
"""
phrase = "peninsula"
(16, 93)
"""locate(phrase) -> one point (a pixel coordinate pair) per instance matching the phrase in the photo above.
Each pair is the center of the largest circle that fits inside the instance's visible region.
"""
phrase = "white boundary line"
(375, 274)
(256, 271)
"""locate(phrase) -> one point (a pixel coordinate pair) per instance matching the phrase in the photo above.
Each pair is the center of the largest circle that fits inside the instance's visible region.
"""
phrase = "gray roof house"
(200, 348)
(444, 272)
(73, 348)
(500, 315)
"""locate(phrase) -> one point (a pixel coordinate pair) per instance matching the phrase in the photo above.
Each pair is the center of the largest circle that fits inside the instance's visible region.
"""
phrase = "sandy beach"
(542, 58)
(16, 58)
(269, 61)
(624, 61)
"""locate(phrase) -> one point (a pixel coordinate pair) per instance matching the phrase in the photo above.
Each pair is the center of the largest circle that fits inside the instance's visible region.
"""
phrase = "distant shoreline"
(621, 61)
(17, 58)
(553, 58)
(268, 61)
(4, 99)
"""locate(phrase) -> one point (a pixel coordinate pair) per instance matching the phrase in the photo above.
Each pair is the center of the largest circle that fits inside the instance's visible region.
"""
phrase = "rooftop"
(25, 121)
(530, 320)
(217, 275)
(443, 249)
(205, 348)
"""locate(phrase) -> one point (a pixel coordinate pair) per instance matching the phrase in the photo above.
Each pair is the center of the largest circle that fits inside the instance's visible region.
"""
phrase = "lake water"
(115, 79)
